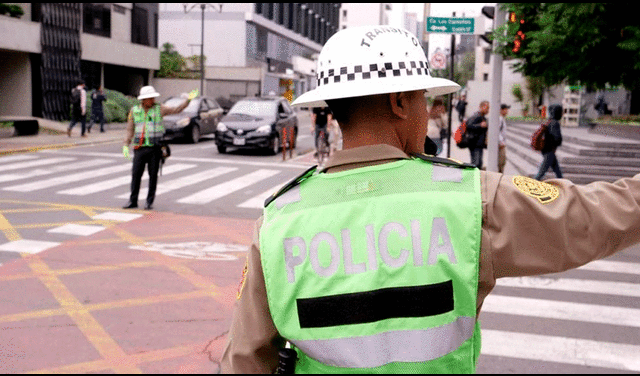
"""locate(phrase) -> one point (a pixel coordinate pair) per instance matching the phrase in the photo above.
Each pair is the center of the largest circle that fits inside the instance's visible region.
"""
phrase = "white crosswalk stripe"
(30, 164)
(52, 170)
(120, 181)
(16, 158)
(60, 180)
(185, 181)
(226, 188)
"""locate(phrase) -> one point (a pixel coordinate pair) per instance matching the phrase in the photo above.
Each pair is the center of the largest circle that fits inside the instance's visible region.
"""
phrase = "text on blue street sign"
(450, 25)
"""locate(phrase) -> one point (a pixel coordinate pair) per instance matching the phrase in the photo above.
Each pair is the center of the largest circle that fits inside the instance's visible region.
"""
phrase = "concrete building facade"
(252, 48)
(46, 51)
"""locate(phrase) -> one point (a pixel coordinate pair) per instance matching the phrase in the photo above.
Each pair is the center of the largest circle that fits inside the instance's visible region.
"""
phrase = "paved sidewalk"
(53, 135)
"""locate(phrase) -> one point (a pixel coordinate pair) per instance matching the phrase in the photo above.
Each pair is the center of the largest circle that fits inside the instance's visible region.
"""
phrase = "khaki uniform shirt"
(535, 229)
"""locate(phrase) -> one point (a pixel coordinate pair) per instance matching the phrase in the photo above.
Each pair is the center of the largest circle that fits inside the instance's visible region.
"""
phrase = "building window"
(96, 19)
(485, 77)
(487, 56)
(144, 20)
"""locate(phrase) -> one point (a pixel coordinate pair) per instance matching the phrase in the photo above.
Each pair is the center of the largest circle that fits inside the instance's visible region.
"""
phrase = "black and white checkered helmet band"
(365, 72)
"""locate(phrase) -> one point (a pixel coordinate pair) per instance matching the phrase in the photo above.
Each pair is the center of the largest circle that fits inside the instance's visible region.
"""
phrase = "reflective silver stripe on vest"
(398, 346)
(453, 175)
(289, 197)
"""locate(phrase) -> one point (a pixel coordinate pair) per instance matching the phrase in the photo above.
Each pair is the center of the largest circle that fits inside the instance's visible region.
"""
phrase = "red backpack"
(537, 138)
(461, 137)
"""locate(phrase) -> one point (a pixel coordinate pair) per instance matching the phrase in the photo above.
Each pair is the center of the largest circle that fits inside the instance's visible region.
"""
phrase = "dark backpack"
(75, 97)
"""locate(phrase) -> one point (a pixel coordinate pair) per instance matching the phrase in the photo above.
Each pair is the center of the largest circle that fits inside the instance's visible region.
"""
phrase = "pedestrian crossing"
(532, 319)
(188, 181)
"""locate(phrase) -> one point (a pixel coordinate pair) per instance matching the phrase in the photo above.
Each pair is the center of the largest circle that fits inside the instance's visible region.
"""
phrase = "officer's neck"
(374, 134)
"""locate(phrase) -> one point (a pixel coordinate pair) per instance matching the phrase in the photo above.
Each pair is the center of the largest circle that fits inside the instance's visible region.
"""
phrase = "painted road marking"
(90, 174)
(40, 162)
(117, 216)
(224, 189)
(552, 309)
(184, 181)
(257, 202)
(27, 246)
(53, 170)
(15, 158)
(575, 285)
(75, 229)
(612, 267)
(561, 350)
(119, 181)
(194, 250)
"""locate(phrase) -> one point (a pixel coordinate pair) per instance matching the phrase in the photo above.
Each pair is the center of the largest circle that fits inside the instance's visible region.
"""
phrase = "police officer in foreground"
(146, 130)
(381, 261)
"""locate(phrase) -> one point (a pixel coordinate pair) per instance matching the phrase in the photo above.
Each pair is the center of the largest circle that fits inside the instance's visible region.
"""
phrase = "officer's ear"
(399, 104)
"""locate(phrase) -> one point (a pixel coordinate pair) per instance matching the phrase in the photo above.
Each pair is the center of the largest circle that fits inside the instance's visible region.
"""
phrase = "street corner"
(151, 292)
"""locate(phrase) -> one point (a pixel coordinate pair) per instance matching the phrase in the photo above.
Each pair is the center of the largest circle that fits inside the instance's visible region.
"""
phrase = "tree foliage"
(592, 44)
(171, 62)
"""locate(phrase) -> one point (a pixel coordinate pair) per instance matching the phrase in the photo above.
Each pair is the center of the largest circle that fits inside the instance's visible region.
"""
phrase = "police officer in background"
(146, 130)
(381, 261)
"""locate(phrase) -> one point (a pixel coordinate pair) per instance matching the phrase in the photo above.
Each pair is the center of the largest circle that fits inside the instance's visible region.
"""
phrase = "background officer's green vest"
(376, 269)
(154, 130)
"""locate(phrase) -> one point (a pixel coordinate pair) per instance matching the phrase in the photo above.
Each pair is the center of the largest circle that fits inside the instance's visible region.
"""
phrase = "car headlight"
(264, 129)
(183, 122)
(221, 127)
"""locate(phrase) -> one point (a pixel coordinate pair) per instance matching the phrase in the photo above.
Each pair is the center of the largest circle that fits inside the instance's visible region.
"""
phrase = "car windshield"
(175, 102)
(254, 108)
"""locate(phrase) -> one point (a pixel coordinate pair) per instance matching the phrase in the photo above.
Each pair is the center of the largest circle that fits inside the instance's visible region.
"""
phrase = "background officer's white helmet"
(148, 92)
(370, 60)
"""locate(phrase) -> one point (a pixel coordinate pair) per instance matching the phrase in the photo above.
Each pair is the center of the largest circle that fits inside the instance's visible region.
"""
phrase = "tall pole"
(202, 6)
(496, 95)
(453, 45)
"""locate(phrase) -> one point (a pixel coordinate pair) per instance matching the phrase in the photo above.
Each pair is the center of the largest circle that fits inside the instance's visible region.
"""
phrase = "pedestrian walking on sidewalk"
(145, 129)
(97, 113)
(78, 108)
(502, 137)
(381, 261)
(552, 139)
(461, 107)
(477, 129)
(436, 128)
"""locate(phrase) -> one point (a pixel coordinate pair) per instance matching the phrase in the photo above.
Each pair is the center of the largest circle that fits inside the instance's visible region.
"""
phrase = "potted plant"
(4, 8)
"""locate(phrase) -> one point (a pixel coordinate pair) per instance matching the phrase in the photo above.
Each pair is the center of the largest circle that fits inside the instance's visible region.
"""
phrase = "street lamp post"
(203, 6)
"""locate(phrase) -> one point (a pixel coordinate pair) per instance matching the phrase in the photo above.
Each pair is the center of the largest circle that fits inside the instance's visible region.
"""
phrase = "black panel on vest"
(371, 306)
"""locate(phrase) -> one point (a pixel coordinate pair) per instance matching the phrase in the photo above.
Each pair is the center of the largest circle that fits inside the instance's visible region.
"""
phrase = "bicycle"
(322, 145)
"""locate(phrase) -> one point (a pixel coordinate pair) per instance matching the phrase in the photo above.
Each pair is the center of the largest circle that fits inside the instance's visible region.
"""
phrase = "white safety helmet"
(369, 60)
(148, 92)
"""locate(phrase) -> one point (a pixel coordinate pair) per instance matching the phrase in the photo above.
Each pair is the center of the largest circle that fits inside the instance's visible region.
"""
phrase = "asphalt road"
(116, 290)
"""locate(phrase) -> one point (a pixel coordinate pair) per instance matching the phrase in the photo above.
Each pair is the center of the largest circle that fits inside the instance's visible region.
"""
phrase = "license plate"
(238, 141)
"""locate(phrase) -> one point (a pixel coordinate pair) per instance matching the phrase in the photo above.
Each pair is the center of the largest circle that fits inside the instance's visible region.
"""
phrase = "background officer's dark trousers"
(142, 156)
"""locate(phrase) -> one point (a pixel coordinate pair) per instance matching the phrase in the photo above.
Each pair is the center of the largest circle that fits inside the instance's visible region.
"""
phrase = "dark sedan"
(200, 117)
(257, 123)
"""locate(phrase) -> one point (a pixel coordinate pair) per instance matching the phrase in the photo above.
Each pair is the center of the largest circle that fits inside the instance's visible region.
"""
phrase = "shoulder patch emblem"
(543, 192)
(244, 277)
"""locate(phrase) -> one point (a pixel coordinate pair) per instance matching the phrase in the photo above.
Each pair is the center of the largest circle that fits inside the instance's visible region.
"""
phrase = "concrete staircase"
(584, 157)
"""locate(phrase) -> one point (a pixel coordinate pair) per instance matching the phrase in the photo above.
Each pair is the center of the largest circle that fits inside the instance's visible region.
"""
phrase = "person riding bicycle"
(320, 117)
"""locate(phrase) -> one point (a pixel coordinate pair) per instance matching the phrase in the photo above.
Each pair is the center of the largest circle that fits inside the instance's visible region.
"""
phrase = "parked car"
(257, 123)
(201, 117)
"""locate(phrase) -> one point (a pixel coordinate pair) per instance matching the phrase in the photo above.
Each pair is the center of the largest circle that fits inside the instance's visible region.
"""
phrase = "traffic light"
(488, 12)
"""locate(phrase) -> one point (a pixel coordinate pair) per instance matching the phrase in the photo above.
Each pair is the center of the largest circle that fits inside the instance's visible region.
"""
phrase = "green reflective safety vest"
(375, 269)
(148, 129)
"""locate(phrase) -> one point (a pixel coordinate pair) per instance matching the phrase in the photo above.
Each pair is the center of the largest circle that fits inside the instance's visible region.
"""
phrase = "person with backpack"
(552, 139)
(97, 113)
(79, 108)
(477, 130)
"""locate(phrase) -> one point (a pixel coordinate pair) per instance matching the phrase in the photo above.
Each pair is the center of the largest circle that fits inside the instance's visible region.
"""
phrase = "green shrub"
(116, 108)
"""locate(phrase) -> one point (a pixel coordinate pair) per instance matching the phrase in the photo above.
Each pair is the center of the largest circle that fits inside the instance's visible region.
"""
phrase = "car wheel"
(194, 137)
(222, 149)
(275, 147)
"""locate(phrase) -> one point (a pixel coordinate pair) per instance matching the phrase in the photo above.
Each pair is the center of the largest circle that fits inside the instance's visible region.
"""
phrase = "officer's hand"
(125, 152)
(194, 93)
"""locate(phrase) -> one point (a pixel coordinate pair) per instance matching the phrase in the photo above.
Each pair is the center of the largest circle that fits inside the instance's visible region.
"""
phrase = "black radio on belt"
(286, 362)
